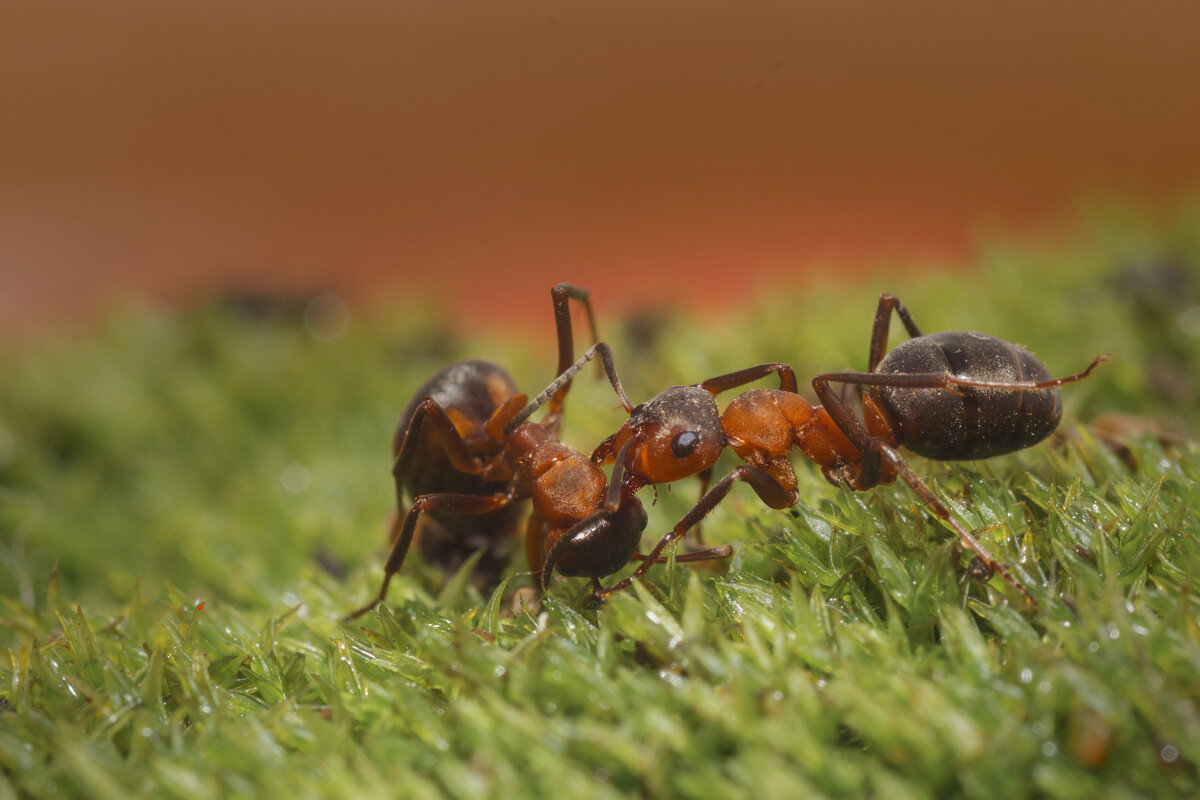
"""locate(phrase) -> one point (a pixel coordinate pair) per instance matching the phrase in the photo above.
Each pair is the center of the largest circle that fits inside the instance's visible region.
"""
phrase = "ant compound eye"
(684, 444)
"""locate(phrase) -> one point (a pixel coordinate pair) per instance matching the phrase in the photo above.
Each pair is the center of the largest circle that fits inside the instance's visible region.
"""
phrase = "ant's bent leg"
(879, 333)
(940, 510)
(429, 412)
(765, 486)
(731, 380)
(560, 295)
(459, 503)
(849, 424)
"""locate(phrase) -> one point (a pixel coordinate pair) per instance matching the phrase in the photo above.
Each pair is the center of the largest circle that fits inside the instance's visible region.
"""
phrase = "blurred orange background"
(685, 152)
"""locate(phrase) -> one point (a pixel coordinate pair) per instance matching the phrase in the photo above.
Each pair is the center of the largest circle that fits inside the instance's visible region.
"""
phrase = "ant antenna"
(606, 357)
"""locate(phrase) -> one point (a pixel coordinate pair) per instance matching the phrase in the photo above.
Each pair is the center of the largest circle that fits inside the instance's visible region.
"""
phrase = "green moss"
(179, 494)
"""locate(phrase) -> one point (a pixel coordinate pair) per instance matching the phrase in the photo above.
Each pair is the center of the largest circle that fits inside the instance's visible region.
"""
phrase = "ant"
(948, 396)
(479, 457)
(448, 460)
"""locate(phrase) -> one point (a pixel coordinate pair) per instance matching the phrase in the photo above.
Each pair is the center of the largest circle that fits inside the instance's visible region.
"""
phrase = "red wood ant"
(453, 463)
(953, 395)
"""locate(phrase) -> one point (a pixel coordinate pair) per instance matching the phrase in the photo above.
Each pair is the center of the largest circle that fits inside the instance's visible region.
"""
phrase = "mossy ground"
(189, 503)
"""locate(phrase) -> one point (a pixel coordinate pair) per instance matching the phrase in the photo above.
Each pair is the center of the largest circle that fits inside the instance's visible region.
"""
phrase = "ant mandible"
(948, 396)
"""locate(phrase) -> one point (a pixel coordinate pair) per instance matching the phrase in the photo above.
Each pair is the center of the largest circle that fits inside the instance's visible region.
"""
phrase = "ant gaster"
(952, 395)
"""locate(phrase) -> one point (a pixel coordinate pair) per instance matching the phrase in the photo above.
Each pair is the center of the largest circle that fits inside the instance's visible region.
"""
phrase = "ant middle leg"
(449, 440)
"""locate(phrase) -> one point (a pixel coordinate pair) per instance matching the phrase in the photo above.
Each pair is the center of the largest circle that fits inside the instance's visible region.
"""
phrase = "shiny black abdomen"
(969, 422)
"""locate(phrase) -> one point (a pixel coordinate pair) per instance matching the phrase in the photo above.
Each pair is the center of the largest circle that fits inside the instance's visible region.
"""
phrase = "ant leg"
(599, 349)
(940, 510)
(721, 383)
(946, 380)
(604, 452)
(560, 295)
(460, 503)
(883, 318)
(451, 443)
(765, 486)
(705, 478)
(708, 554)
(844, 417)
(874, 449)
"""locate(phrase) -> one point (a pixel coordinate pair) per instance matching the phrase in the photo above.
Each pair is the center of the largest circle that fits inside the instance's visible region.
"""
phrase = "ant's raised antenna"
(599, 349)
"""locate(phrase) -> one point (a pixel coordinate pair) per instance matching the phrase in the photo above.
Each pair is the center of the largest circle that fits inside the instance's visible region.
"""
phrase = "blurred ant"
(465, 449)
(450, 459)
(947, 396)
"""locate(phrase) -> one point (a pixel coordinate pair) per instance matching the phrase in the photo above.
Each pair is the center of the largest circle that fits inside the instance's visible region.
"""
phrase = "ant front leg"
(843, 416)
(763, 484)
(458, 503)
(879, 333)
(705, 478)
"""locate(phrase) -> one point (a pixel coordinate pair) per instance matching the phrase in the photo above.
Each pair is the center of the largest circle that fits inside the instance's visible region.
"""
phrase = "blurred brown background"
(486, 150)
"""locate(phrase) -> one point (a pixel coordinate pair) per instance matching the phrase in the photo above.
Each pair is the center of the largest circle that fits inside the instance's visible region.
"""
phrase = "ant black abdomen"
(971, 420)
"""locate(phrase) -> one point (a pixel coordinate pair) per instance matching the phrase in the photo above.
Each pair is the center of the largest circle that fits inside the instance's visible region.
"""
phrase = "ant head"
(676, 434)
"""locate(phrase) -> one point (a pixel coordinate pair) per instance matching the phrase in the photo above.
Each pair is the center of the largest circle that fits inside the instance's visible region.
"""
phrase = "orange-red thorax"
(762, 425)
